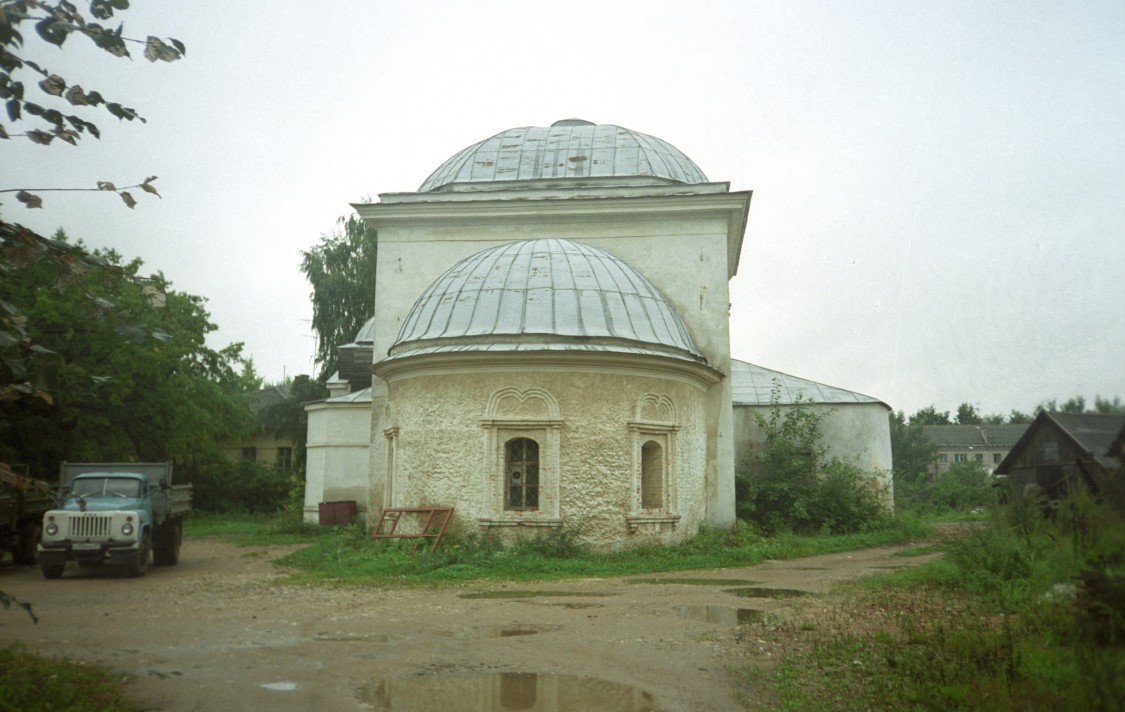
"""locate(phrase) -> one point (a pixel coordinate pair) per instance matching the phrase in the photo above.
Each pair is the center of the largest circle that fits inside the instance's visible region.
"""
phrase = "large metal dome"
(544, 295)
(569, 149)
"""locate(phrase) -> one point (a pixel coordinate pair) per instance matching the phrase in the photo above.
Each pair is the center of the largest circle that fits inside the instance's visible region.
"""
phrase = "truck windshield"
(106, 487)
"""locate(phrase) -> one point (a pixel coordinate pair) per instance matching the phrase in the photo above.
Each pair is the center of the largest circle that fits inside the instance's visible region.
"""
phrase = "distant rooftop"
(973, 436)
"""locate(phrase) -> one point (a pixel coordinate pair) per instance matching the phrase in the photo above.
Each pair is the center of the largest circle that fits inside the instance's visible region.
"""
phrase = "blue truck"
(120, 514)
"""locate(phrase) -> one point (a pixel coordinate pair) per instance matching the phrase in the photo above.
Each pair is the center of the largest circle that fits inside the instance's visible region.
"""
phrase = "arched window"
(652, 475)
(521, 469)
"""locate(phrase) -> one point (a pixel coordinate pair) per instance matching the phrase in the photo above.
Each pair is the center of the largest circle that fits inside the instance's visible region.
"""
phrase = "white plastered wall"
(682, 243)
(338, 455)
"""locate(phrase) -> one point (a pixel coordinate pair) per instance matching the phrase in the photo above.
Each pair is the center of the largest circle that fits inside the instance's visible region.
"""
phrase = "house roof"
(544, 295)
(754, 385)
(270, 395)
(974, 436)
(567, 149)
(1094, 433)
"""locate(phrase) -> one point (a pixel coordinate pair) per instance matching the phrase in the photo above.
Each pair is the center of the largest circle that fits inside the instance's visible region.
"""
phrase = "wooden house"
(1062, 450)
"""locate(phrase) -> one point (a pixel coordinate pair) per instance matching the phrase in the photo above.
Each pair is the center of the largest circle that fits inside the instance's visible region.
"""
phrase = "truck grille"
(82, 527)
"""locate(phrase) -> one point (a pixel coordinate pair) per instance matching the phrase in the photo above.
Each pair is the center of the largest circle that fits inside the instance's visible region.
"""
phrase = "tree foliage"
(56, 107)
(124, 366)
(930, 416)
(964, 487)
(341, 270)
(912, 451)
(967, 415)
(794, 486)
(287, 419)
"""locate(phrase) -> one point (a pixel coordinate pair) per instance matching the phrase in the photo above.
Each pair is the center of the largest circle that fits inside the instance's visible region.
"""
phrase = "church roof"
(754, 385)
(569, 149)
(544, 295)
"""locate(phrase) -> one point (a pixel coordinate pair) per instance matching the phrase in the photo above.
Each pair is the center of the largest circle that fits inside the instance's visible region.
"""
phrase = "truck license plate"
(86, 546)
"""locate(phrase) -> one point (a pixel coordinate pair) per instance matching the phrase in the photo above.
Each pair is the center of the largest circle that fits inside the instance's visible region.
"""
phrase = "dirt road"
(216, 633)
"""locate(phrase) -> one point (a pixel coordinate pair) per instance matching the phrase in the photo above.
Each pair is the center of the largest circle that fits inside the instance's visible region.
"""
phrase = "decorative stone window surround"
(654, 420)
(501, 427)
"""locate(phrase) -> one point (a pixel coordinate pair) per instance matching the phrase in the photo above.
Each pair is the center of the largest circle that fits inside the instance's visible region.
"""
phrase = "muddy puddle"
(533, 594)
(502, 691)
(757, 592)
(512, 630)
(696, 581)
(722, 615)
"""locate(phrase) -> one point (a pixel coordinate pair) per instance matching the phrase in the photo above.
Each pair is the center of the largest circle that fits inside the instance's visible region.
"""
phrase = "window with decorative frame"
(521, 468)
(653, 431)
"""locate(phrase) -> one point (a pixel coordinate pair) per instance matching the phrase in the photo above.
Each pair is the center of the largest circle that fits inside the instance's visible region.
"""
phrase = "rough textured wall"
(443, 450)
(858, 433)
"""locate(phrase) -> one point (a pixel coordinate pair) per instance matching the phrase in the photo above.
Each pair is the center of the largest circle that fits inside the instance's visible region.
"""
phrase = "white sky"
(939, 188)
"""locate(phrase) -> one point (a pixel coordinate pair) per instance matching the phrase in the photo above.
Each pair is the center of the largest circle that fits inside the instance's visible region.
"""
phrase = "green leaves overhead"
(55, 23)
(31, 201)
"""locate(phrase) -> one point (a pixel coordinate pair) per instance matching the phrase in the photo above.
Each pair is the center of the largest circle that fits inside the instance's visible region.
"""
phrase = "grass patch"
(1023, 613)
(347, 555)
(255, 529)
(33, 683)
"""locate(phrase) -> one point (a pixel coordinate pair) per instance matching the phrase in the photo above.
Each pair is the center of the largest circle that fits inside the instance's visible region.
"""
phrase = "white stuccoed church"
(551, 347)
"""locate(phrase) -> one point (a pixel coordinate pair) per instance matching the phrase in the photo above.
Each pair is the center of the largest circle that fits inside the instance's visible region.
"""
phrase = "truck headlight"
(52, 529)
(127, 529)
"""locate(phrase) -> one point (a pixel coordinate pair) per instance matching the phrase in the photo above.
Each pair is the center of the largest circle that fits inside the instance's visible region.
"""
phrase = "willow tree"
(341, 270)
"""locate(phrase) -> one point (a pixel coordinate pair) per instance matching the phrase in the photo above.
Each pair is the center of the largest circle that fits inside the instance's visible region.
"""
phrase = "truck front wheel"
(140, 564)
(51, 571)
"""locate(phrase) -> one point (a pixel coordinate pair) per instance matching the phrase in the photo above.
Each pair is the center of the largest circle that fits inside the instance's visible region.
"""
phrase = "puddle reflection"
(503, 631)
(500, 692)
(722, 615)
(767, 592)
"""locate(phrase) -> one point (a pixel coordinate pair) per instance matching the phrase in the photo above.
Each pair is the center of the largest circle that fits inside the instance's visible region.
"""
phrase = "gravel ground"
(217, 633)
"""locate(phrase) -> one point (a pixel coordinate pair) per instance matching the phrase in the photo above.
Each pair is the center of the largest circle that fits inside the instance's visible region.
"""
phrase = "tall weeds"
(1025, 612)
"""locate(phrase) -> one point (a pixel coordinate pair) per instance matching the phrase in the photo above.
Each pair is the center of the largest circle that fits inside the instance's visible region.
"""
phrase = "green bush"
(226, 486)
(964, 487)
(793, 487)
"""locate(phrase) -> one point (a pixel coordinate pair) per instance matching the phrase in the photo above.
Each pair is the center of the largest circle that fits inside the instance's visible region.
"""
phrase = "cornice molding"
(461, 363)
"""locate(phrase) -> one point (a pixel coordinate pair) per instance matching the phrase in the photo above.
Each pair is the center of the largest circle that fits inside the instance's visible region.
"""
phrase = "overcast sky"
(939, 187)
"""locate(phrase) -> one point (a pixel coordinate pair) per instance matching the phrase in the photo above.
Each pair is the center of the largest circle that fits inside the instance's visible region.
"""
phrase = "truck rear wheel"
(166, 547)
(26, 552)
(140, 564)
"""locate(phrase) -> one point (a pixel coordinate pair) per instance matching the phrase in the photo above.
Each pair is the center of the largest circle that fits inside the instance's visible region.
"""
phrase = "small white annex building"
(551, 346)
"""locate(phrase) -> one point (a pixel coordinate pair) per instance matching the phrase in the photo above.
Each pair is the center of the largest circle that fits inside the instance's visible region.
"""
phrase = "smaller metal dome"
(544, 295)
(571, 148)
(366, 333)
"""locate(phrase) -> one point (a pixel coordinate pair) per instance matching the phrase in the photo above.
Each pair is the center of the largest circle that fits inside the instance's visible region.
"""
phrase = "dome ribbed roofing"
(571, 148)
(544, 295)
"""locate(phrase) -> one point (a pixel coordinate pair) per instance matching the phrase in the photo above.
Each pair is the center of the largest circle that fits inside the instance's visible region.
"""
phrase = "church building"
(550, 346)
